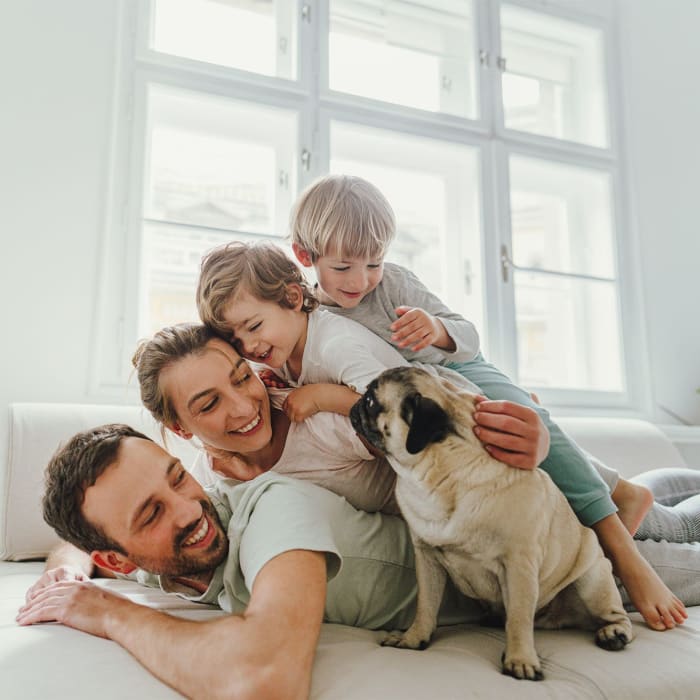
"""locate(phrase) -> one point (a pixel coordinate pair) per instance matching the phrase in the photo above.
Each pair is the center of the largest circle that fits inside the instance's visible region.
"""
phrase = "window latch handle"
(506, 263)
(306, 160)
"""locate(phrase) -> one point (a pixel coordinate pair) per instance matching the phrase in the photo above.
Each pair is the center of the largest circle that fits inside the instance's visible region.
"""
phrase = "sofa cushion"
(52, 661)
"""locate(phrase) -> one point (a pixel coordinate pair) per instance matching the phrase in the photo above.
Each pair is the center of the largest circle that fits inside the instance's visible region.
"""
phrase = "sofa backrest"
(629, 445)
(37, 430)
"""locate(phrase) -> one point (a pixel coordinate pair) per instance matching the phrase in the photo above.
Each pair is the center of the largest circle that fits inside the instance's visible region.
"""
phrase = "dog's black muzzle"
(363, 416)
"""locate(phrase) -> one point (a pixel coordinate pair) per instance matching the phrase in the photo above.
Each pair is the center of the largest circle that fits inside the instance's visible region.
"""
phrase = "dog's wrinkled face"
(397, 417)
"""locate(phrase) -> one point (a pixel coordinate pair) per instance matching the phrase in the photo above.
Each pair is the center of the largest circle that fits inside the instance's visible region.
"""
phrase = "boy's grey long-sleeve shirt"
(400, 287)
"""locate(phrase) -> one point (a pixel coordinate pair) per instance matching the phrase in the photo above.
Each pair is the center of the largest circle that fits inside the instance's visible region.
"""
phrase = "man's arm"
(266, 652)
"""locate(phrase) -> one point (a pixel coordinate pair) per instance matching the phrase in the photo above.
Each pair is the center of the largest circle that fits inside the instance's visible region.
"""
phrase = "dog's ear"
(427, 422)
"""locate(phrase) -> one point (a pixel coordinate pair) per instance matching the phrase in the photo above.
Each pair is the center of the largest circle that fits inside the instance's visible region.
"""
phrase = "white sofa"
(52, 661)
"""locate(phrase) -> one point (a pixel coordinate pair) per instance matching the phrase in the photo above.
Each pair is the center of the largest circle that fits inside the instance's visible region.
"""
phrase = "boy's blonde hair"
(262, 269)
(342, 215)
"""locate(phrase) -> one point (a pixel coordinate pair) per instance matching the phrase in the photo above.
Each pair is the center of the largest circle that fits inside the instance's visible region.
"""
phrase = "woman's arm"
(267, 652)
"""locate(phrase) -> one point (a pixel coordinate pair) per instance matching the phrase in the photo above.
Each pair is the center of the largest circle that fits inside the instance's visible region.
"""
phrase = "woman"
(196, 384)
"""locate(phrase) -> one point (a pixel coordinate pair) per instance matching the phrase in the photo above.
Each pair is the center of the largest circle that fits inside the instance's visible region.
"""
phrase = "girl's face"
(264, 331)
(218, 398)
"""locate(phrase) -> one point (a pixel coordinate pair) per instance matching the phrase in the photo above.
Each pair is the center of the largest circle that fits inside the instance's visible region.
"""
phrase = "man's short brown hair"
(71, 471)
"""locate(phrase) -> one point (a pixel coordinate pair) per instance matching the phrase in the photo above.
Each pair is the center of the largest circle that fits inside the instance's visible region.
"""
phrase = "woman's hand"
(511, 433)
(65, 572)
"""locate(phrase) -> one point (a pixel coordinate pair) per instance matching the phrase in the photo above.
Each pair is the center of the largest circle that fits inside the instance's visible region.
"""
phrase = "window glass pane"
(434, 190)
(171, 257)
(218, 162)
(554, 82)
(561, 217)
(251, 35)
(568, 333)
(417, 54)
(216, 170)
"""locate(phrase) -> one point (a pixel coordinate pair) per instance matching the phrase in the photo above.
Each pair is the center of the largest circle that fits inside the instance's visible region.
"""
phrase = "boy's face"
(148, 503)
(347, 281)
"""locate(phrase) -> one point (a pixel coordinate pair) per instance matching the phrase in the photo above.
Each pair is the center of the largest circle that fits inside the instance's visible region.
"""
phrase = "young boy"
(342, 226)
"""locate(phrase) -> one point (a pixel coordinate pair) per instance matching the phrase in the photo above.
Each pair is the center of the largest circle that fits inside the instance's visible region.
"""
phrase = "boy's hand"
(512, 433)
(302, 402)
(417, 329)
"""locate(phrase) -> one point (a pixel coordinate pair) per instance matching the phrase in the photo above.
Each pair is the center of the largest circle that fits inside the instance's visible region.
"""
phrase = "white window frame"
(317, 106)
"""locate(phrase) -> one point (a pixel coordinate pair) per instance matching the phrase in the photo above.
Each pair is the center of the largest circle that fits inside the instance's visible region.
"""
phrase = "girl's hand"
(270, 379)
(512, 433)
(302, 402)
(417, 329)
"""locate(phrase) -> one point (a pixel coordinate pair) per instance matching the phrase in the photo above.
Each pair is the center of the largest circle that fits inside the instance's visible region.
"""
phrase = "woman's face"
(219, 398)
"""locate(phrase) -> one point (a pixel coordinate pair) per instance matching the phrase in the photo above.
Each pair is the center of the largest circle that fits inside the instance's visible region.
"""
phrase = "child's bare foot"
(651, 597)
(633, 503)
(658, 606)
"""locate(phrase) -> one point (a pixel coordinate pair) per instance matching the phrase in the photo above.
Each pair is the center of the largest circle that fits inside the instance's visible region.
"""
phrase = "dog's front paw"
(614, 637)
(522, 669)
(405, 641)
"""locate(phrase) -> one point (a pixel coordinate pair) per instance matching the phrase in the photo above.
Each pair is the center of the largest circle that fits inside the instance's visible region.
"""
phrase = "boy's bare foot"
(651, 597)
(633, 503)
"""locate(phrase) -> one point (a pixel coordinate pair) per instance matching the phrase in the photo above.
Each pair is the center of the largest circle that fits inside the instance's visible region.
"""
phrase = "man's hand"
(78, 604)
(66, 572)
(512, 433)
(417, 329)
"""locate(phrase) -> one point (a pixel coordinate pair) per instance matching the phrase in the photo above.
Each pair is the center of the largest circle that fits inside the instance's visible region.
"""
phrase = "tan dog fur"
(505, 536)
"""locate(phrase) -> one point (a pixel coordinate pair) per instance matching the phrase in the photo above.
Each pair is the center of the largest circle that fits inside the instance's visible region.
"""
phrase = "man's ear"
(427, 422)
(303, 256)
(113, 561)
(180, 431)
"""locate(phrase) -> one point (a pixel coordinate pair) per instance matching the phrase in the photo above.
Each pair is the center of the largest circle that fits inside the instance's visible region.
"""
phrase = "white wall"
(56, 82)
(56, 79)
(661, 79)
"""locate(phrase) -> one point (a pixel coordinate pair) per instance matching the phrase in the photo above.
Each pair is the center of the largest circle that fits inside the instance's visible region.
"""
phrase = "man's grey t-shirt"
(370, 564)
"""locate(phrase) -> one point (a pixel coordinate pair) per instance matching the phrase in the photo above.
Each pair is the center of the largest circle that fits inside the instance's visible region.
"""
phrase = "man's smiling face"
(148, 503)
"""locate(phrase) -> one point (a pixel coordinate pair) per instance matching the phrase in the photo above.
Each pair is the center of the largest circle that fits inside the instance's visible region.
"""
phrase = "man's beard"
(184, 562)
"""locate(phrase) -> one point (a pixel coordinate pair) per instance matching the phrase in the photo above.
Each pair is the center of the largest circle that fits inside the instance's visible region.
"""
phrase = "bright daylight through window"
(488, 125)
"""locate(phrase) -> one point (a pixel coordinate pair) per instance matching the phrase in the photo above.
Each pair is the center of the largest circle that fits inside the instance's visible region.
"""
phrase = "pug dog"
(505, 536)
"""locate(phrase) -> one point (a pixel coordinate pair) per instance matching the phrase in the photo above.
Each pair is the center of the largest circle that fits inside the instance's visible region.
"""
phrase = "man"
(269, 550)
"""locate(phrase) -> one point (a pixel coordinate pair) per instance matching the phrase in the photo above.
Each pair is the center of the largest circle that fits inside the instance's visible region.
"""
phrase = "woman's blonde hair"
(342, 215)
(261, 269)
(153, 355)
